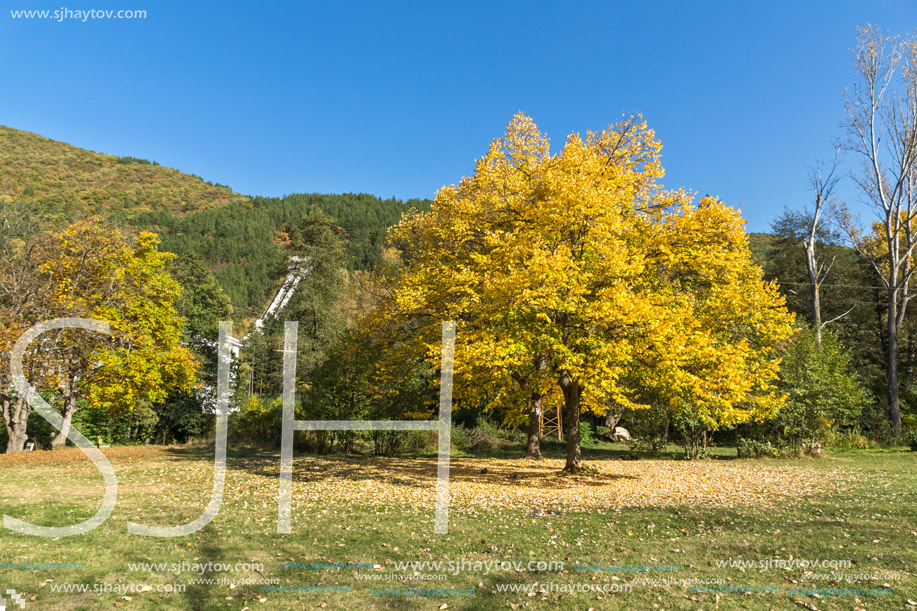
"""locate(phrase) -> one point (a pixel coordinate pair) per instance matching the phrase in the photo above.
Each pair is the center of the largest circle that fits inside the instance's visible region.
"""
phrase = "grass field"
(650, 532)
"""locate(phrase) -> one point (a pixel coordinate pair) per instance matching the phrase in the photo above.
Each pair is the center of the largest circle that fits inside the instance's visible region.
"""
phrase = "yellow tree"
(714, 360)
(95, 271)
(559, 269)
(468, 236)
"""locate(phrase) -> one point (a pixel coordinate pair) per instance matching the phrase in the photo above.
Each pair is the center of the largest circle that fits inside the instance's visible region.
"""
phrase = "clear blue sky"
(400, 98)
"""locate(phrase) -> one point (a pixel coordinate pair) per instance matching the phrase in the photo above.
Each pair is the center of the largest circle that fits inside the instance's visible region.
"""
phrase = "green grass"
(872, 523)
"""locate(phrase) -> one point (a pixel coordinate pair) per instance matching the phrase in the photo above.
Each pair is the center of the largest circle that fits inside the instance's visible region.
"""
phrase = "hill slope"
(242, 242)
(75, 180)
(239, 238)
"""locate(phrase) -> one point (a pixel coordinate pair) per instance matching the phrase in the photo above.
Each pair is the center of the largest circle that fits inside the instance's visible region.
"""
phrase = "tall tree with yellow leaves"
(713, 361)
(578, 269)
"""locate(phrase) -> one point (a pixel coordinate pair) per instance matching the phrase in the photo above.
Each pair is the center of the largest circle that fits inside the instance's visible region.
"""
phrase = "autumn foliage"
(579, 271)
(91, 270)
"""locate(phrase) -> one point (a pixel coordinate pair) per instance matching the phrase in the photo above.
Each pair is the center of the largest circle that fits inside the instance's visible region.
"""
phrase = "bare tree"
(823, 182)
(882, 131)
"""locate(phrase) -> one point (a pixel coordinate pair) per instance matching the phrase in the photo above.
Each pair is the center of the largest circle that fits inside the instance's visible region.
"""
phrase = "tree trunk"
(611, 421)
(15, 443)
(880, 328)
(16, 419)
(812, 269)
(894, 402)
(533, 446)
(572, 394)
(60, 440)
(909, 364)
(536, 399)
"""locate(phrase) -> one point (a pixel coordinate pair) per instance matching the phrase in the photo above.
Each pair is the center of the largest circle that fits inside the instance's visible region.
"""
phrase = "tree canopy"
(583, 258)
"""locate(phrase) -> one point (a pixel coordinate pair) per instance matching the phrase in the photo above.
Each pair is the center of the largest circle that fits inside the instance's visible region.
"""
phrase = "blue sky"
(400, 98)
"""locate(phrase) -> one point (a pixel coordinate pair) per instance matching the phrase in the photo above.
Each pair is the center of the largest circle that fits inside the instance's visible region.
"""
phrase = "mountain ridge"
(72, 179)
(238, 237)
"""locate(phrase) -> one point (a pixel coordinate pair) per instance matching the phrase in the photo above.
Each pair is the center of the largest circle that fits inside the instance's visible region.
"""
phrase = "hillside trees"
(243, 242)
(317, 258)
(69, 180)
(581, 258)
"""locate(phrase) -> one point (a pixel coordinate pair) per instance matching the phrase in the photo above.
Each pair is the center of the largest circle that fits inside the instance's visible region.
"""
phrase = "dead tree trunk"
(823, 185)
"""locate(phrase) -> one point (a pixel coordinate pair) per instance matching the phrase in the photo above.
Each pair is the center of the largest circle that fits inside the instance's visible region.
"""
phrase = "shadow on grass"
(501, 466)
(418, 471)
(200, 595)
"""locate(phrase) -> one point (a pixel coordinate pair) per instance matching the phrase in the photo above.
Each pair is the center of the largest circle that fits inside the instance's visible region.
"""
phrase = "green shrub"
(649, 428)
(823, 391)
(695, 433)
(461, 437)
(488, 427)
(914, 441)
(416, 442)
(754, 448)
(586, 439)
(847, 439)
(480, 440)
(645, 445)
(259, 422)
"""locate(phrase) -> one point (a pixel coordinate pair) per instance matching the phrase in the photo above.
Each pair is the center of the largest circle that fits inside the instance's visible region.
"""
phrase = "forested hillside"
(243, 242)
(241, 239)
(74, 181)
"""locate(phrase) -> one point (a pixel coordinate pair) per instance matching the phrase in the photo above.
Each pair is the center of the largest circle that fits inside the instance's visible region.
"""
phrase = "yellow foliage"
(635, 293)
(96, 272)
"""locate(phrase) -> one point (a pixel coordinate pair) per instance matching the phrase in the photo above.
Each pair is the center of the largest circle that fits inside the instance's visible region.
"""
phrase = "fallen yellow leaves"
(513, 484)
(475, 483)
